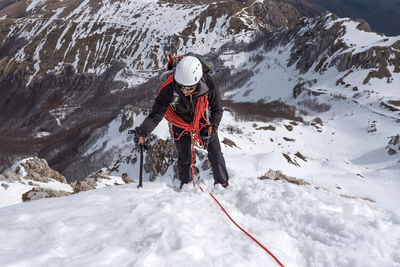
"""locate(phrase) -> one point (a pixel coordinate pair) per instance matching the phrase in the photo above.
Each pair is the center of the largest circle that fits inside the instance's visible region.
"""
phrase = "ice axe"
(140, 142)
(207, 138)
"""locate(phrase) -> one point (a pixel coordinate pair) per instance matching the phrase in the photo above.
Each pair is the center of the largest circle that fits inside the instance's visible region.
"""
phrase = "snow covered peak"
(41, 35)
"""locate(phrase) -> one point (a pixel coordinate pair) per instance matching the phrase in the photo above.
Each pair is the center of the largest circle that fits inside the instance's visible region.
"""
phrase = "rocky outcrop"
(393, 146)
(278, 175)
(127, 179)
(10, 176)
(39, 193)
(85, 185)
(160, 157)
(38, 170)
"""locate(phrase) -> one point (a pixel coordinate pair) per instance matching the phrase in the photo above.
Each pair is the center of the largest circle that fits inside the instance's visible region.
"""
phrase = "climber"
(190, 101)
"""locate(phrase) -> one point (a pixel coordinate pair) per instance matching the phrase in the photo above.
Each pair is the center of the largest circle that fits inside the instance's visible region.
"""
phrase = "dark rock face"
(68, 106)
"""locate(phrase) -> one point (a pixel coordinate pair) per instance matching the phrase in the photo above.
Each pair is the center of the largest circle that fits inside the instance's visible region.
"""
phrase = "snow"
(339, 219)
(42, 134)
(35, 3)
(360, 41)
(158, 226)
(271, 79)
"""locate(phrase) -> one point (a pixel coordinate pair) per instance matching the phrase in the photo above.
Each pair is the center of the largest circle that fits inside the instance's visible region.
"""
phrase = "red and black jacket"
(183, 106)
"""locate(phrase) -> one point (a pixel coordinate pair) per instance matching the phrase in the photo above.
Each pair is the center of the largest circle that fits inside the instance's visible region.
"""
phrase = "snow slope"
(158, 226)
(348, 215)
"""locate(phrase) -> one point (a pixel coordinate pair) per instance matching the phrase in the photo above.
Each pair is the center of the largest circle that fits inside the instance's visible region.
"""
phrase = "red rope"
(169, 80)
(244, 231)
(193, 127)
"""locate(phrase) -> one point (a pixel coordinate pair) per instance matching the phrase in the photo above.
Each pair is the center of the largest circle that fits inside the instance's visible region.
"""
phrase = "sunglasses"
(187, 88)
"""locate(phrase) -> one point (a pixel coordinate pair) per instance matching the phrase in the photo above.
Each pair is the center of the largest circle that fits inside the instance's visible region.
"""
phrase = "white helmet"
(189, 71)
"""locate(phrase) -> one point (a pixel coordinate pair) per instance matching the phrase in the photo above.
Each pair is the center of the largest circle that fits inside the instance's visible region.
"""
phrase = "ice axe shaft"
(141, 147)
(140, 142)
(207, 139)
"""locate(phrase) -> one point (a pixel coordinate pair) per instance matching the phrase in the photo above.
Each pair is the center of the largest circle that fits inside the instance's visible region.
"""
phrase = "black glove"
(214, 129)
(137, 136)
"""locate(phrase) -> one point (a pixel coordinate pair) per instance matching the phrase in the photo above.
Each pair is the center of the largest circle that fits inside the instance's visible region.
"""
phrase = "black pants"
(215, 156)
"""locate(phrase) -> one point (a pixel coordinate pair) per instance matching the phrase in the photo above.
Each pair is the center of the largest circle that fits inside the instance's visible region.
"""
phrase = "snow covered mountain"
(383, 16)
(111, 46)
(310, 134)
(40, 36)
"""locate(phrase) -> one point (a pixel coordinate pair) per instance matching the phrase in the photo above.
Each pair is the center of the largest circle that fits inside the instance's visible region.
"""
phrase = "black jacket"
(171, 94)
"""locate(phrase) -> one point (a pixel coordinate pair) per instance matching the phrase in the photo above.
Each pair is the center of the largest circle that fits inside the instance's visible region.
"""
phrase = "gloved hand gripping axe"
(206, 140)
(139, 140)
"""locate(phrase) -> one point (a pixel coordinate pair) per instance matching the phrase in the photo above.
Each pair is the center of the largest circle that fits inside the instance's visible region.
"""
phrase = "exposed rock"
(317, 126)
(278, 175)
(160, 157)
(356, 197)
(102, 175)
(206, 165)
(267, 128)
(261, 111)
(10, 176)
(313, 104)
(234, 129)
(289, 139)
(290, 160)
(85, 185)
(301, 156)
(126, 121)
(39, 170)
(289, 127)
(393, 146)
(363, 25)
(371, 127)
(5, 186)
(318, 120)
(228, 142)
(127, 180)
(38, 193)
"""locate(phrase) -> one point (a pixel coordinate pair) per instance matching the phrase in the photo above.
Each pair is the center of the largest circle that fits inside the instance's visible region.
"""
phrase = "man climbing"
(183, 100)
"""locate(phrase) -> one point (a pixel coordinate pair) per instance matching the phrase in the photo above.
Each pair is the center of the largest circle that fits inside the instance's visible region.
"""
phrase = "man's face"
(187, 90)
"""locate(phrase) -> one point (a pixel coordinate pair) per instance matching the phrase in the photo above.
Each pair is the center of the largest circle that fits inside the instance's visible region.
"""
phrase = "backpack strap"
(169, 80)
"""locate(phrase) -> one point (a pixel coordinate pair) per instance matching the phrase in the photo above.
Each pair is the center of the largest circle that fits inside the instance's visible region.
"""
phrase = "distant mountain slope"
(40, 36)
(382, 15)
(110, 46)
